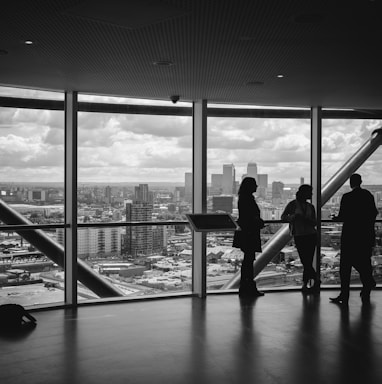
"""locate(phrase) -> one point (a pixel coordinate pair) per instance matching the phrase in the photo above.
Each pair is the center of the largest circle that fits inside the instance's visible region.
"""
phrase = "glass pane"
(32, 163)
(31, 189)
(27, 276)
(224, 262)
(137, 260)
(341, 139)
(274, 151)
(133, 168)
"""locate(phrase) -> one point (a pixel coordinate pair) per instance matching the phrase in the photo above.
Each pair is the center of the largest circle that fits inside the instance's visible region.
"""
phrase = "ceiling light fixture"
(163, 63)
(280, 75)
(28, 42)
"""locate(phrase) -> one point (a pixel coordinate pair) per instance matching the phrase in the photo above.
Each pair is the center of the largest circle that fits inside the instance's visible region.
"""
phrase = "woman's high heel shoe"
(339, 300)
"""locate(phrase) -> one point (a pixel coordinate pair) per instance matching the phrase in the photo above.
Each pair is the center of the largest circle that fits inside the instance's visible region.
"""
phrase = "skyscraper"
(262, 180)
(216, 184)
(252, 170)
(179, 194)
(108, 195)
(142, 193)
(139, 238)
(277, 191)
(188, 187)
(228, 182)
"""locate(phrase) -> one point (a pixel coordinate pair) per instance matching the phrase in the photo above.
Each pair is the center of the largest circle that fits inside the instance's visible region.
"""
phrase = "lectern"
(212, 222)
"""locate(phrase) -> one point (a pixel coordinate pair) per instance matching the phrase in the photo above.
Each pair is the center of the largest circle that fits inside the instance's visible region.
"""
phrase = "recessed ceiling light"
(163, 63)
(280, 75)
(28, 42)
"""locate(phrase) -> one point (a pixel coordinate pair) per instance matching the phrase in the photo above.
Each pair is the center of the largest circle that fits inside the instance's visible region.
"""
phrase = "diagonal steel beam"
(56, 253)
(278, 241)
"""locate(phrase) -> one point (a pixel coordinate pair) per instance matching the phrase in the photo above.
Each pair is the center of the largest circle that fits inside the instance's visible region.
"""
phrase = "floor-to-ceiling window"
(32, 194)
(276, 151)
(341, 139)
(134, 166)
(135, 187)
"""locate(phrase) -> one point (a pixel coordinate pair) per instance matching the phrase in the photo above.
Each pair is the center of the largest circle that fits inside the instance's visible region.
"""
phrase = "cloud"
(116, 147)
(255, 133)
(134, 155)
(55, 137)
(156, 126)
(21, 152)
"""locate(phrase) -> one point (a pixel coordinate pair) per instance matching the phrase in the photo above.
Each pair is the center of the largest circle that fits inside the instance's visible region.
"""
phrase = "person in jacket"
(301, 216)
(358, 213)
(247, 238)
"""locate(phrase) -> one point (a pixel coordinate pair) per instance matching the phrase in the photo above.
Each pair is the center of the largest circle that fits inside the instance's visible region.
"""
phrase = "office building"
(139, 238)
(216, 184)
(252, 171)
(159, 240)
(179, 194)
(108, 195)
(95, 243)
(228, 180)
(188, 187)
(36, 195)
(142, 193)
(277, 192)
(262, 183)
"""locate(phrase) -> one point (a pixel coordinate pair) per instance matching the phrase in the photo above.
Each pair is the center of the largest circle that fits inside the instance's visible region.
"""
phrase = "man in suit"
(358, 213)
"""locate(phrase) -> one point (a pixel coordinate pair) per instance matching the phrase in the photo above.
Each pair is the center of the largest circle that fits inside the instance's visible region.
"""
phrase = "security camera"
(174, 98)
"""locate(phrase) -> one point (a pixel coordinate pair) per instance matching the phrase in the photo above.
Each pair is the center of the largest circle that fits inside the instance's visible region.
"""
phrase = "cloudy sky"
(137, 148)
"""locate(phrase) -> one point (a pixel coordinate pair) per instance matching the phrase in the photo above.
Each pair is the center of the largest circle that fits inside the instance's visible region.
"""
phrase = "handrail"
(28, 227)
(90, 225)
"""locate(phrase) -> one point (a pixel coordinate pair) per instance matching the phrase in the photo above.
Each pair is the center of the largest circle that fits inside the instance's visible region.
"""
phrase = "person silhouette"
(301, 216)
(358, 213)
(247, 238)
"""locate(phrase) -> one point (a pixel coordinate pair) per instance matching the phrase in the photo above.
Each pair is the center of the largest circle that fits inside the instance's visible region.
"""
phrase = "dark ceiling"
(225, 51)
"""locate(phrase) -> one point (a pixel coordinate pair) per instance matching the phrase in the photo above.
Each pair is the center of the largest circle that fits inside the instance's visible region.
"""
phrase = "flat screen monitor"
(212, 222)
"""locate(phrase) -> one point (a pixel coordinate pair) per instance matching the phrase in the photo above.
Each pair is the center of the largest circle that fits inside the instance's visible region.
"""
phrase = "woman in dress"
(247, 238)
(301, 216)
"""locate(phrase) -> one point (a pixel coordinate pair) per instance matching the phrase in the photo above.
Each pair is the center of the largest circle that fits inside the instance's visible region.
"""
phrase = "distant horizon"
(128, 183)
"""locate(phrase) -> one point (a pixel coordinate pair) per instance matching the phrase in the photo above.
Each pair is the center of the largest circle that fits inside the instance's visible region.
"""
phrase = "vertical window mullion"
(315, 174)
(199, 196)
(71, 125)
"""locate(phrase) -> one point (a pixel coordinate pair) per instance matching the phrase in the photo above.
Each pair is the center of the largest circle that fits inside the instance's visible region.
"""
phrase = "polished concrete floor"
(279, 338)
